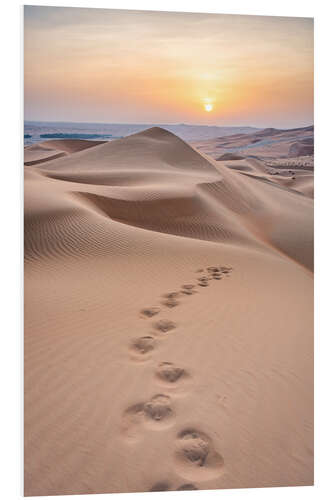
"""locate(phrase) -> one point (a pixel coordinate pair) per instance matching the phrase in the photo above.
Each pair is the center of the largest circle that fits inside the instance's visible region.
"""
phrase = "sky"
(118, 66)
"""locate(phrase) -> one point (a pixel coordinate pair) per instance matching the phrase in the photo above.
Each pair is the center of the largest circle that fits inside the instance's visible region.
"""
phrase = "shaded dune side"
(244, 165)
(36, 159)
(81, 231)
(276, 213)
(146, 176)
(68, 223)
(279, 217)
(189, 217)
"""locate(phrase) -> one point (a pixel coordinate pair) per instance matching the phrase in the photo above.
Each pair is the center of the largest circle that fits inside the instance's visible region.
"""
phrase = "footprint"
(203, 279)
(165, 486)
(187, 487)
(170, 303)
(171, 295)
(142, 346)
(203, 283)
(158, 408)
(196, 457)
(169, 373)
(155, 413)
(195, 447)
(217, 276)
(213, 269)
(160, 486)
(188, 289)
(164, 325)
(149, 312)
(225, 269)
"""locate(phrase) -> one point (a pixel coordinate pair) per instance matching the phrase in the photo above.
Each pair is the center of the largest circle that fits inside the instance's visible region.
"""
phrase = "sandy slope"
(52, 149)
(135, 383)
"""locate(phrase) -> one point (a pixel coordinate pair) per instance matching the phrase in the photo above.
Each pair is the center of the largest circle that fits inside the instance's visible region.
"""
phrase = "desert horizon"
(149, 125)
(168, 264)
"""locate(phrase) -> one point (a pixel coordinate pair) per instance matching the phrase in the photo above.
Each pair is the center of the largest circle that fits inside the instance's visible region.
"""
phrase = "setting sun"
(208, 107)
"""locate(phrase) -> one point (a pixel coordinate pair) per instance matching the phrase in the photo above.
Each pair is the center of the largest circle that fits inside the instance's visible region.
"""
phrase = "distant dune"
(168, 317)
(230, 156)
(107, 131)
(301, 148)
(286, 157)
(268, 143)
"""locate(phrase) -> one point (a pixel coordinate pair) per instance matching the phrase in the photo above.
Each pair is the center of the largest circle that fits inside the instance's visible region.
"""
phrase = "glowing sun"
(208, 107)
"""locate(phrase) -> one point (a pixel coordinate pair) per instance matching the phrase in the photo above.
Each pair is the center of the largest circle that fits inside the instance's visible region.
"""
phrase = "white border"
(11, 228)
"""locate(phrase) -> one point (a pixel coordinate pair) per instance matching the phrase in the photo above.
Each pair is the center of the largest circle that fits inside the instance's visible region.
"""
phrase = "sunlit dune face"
(208, 107)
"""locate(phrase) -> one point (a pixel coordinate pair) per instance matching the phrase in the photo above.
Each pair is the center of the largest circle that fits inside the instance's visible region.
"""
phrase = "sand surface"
(286, 154)
(168, 319)
(267, 143)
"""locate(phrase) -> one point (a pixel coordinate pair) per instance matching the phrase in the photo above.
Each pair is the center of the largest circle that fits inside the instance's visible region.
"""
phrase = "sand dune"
(52, 149)
(284, 157)
(168, 319)
(266, 144)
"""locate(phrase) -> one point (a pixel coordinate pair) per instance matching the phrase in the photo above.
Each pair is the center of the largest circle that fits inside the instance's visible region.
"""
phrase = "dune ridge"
(186, 282)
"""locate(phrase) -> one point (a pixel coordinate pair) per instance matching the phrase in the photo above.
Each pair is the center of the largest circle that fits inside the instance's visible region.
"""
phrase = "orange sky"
(99, 65)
